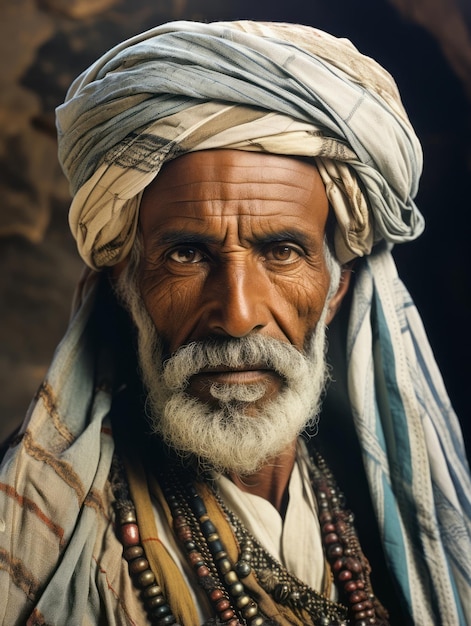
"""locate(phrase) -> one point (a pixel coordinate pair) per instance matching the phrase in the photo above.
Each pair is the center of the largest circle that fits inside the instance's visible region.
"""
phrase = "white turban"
(278, 88)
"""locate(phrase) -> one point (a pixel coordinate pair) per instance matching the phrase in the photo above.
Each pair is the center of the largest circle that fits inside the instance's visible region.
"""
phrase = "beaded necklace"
(222, 580)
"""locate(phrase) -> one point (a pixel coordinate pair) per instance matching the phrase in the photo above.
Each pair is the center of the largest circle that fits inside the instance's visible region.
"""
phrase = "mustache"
(256, 352)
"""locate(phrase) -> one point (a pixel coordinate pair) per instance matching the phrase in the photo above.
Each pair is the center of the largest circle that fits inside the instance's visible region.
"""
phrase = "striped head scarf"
(281, 88)
(284, 89)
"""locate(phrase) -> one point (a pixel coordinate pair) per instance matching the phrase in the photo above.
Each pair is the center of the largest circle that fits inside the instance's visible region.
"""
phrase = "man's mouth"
(200, 384)
(236, 375)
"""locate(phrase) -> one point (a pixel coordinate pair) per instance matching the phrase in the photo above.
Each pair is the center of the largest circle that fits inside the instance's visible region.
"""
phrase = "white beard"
(224, 436)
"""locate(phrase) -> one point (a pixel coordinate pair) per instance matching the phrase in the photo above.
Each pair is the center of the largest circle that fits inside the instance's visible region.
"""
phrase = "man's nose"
(239, 300)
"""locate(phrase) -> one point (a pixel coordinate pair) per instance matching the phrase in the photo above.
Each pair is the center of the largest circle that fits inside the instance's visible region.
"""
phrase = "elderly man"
(237, 189)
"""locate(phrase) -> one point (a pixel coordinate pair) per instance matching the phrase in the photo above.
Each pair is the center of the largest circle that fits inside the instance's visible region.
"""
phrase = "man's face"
(234, 245)
(230, 301)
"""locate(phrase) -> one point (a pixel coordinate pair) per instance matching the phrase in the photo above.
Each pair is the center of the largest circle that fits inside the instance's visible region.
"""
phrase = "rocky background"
(44, 44)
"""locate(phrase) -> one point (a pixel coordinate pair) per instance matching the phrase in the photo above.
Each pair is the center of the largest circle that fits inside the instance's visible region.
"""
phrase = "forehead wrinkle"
(250, 196)
(242, 210)
(193, 191)
(245, 192)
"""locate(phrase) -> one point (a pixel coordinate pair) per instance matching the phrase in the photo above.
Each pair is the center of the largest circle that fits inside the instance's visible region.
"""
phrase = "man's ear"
(336, 299)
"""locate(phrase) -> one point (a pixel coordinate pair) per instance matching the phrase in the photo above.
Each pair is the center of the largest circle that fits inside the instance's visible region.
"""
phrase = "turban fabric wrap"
(283, 89)
(280, 88)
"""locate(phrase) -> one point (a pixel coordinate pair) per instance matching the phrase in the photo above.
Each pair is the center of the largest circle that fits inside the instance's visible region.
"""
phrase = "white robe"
(294, 541)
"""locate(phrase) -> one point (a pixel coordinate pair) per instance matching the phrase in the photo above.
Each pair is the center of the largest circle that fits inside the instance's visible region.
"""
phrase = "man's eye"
(186, 255)
(283, 253)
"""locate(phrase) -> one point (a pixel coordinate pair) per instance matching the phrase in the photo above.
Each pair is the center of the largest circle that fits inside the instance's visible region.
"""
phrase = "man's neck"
(270, 482)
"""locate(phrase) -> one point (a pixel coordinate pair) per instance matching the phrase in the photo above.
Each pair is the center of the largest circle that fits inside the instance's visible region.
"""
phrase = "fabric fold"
(282, 88)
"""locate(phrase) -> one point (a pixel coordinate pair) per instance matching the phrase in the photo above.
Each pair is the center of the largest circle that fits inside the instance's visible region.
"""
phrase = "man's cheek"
(168, 302)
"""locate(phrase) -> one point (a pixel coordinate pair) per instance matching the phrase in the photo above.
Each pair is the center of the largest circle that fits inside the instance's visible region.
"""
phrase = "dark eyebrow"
(295, 235)
(178, 237)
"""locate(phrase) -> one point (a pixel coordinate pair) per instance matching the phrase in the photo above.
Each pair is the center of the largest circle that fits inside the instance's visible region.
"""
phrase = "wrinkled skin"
(233, 245)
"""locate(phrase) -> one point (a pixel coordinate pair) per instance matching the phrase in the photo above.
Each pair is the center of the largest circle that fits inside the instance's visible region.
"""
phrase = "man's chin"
(228, 439)
(226, 410)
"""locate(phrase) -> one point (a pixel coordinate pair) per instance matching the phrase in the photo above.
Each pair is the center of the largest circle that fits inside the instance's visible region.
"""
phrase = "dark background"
(425, 44)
